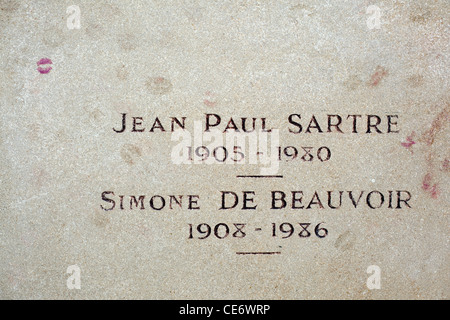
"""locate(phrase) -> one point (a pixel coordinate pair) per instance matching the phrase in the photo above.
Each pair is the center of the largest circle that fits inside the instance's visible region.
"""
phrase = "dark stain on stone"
(130, 153)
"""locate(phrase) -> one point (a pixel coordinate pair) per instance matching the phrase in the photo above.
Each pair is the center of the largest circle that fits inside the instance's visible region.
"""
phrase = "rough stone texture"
(235, 58)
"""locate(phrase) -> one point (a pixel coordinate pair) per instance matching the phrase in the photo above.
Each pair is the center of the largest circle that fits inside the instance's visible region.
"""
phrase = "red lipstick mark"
(445, 164)
(409, 142)
(379, 74)
(43, 62)
(426, 182)
(432, 189)
(438, 124)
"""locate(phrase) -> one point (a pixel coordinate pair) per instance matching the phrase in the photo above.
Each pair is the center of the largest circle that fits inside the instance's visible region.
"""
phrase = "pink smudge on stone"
(426, 182)
(409, 142)
(208, 102)
(43, 62)
(379, 74)
(432, 189)
(445, 164)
